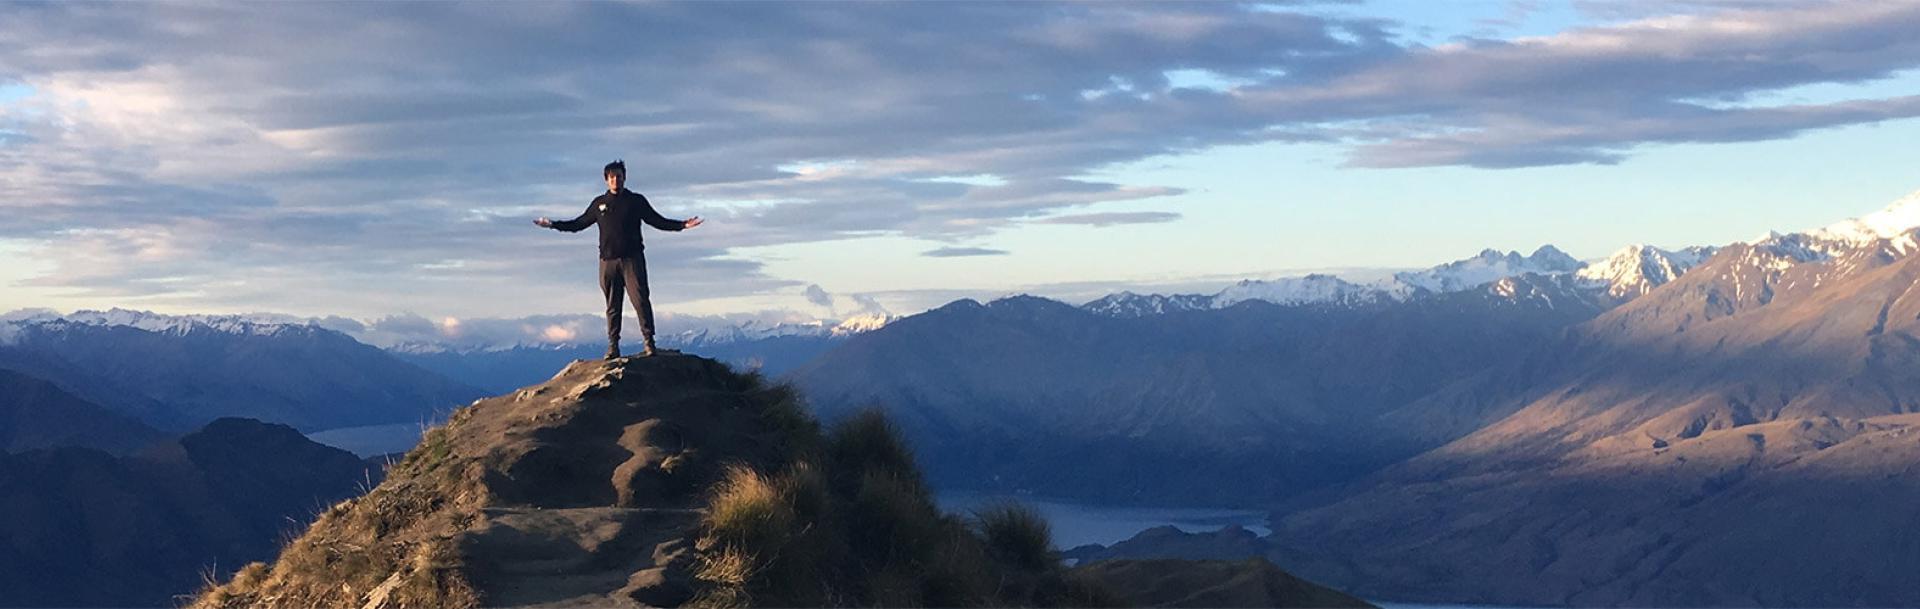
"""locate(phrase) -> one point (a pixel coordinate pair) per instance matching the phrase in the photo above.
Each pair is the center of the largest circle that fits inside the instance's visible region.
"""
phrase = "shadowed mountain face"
(37, 414)
(304, 376)
(86, 528)
(1743, 436)
(1239, 405)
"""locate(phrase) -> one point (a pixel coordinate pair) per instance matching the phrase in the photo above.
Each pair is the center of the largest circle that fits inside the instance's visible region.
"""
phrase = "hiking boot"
(652, 350)
(613, 351)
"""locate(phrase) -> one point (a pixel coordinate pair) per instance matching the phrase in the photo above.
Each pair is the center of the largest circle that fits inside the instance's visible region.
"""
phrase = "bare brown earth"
(1748, 435)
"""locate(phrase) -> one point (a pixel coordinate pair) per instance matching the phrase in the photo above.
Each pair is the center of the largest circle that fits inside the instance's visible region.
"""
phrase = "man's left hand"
(694, 221)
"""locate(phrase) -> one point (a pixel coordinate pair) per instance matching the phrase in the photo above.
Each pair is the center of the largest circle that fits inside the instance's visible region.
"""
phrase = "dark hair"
(616, 165)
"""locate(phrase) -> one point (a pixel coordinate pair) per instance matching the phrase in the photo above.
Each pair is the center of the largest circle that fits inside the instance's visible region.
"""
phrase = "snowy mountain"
(1490, 265)
(751, 331)
(255, 324)
(1895, 223)
(1453, 277)
(1129, 304)
(176, 372)
(1637, 269)
(1311, 289)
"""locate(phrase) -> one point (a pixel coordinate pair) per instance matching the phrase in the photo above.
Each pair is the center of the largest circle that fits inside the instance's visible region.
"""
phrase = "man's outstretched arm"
(654, 219)
(586, 219)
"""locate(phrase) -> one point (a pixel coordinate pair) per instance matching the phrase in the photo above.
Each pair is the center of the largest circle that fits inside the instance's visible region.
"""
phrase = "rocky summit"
(584, 490)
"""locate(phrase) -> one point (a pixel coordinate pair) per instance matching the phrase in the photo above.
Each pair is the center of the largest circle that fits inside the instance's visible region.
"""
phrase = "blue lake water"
(1076, 524)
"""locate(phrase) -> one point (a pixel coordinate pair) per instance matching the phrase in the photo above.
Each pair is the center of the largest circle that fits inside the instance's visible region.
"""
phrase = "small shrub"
(1017, 536)
(868, 442)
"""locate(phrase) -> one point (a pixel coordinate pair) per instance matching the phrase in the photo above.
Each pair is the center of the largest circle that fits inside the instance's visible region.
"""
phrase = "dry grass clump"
(859, 527)
(391, 545)
(1017, 536)
(782, 410)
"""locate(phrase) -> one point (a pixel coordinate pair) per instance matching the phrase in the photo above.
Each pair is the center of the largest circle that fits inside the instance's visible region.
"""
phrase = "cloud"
(408, 330)
(1112, 218)
(818, 296)
(869, 305)
(365, 158)
(958, 252)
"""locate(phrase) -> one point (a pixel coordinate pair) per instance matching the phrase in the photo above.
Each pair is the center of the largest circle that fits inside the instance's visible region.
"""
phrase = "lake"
(1076, 524)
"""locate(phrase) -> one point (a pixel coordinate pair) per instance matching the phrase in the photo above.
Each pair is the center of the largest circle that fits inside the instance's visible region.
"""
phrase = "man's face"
(615, 180)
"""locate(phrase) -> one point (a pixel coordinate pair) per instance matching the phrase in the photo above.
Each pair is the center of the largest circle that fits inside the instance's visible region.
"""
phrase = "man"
(623, 263)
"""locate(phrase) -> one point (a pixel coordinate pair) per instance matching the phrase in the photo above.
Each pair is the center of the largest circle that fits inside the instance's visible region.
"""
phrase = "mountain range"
(1629, 272)
(179, 372)
(1664, 426)
(772, 349)
(1743, 436)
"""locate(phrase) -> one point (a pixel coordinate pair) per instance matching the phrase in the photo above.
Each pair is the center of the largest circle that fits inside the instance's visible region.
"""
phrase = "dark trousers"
(629, 274)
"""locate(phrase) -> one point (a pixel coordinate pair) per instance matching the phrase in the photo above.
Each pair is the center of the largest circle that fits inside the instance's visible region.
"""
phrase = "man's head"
(616, 175)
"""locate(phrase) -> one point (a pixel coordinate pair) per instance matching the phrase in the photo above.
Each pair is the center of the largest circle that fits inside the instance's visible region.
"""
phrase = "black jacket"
(619, 216)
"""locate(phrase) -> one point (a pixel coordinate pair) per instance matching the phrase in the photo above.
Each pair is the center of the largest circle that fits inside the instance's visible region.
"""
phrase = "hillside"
(38, 414)
(663, 481)
(1029, 394)
(90, 529)
(1698, 446)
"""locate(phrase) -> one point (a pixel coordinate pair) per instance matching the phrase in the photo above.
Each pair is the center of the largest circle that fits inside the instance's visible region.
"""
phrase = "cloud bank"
(371, 157)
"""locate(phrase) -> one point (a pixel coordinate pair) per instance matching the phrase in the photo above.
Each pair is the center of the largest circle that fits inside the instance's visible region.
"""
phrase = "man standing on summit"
(623, 263)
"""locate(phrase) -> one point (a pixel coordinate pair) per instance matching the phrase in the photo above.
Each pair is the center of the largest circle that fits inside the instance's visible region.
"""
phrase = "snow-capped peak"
(862, 323)
(262, 324)
(1895, 224)
(1490, 265)
(1637, 269)
(1129, 304)
(1311, 289)
(1896, 220)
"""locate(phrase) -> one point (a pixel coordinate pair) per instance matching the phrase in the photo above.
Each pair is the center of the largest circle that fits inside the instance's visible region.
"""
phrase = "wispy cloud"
(1111, 218)
(962, 252)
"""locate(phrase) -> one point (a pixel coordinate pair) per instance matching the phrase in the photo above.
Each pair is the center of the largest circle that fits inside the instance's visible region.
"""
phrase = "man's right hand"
(544, 222)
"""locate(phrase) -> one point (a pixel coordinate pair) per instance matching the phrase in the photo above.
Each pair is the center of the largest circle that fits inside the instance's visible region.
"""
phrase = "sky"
(385, 160)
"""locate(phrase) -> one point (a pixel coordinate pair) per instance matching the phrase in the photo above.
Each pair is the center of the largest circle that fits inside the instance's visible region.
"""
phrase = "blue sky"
(369, 160)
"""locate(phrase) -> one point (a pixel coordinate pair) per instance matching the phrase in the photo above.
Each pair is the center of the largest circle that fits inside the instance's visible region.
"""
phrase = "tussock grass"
(868, 441)
(782, 410)
(747, 510)
(1017, 536)
(859, 527)
(373, 545)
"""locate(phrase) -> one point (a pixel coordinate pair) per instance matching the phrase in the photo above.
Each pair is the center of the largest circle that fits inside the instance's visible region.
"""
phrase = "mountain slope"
(37, 414)
(181, 372)
(1031, 394)
(85, 528)
(1679, 450)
